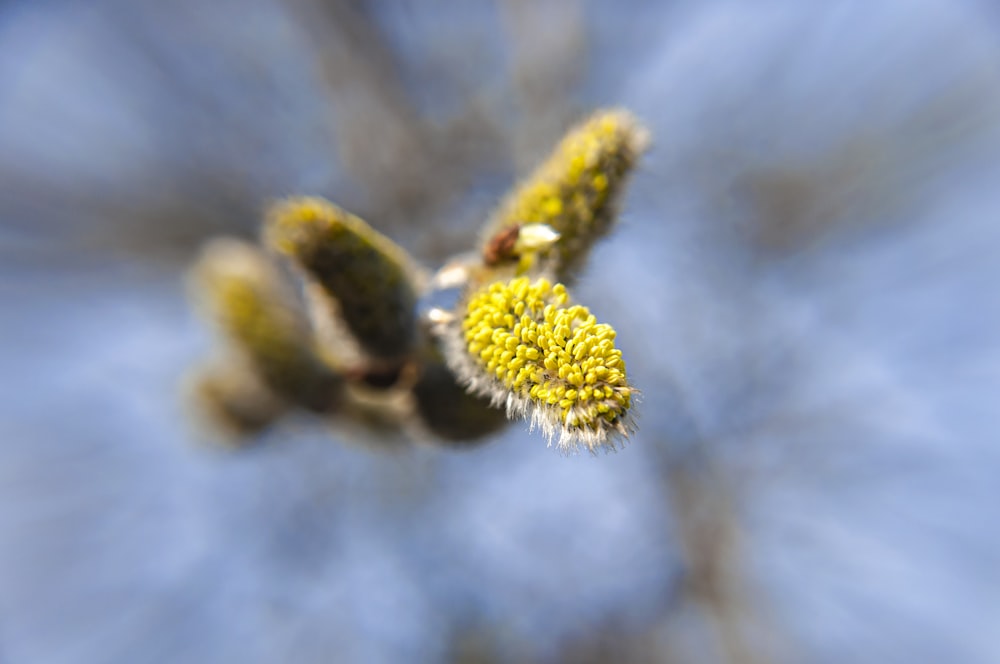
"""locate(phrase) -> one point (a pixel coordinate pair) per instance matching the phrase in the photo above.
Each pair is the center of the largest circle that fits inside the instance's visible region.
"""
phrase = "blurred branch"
(411, 167)
(703, 503)
(549, 49)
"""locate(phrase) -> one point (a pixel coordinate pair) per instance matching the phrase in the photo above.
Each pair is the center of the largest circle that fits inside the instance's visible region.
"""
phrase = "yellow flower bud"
(574, 194)
(570, 381)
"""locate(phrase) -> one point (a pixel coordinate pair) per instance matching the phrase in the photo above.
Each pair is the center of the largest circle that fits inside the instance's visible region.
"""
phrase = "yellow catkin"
(576, 191)
(362, 270)
(571, 381)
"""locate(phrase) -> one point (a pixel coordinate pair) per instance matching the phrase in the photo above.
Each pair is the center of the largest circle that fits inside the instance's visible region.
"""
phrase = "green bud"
(369, 278)
(254, 308)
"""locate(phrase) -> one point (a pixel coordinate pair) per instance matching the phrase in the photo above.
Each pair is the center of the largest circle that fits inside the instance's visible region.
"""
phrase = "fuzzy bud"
(368, 276)
(524, 346)
(575, 192)
(254, 308)
(449, 411)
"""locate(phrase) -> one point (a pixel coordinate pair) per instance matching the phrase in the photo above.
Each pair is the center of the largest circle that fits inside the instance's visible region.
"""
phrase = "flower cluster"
(537, 355)
(492, 335)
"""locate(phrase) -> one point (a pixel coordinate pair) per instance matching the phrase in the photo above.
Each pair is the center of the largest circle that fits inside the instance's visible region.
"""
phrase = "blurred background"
(804, 282)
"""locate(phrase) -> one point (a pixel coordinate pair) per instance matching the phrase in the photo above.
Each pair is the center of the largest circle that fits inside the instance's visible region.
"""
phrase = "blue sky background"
(804, 282)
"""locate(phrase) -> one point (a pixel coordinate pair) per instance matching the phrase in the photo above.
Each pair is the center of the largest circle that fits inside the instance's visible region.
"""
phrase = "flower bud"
(254, 308)
(574, 194)
(522, 344)
(369, 277)
(449, 411)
